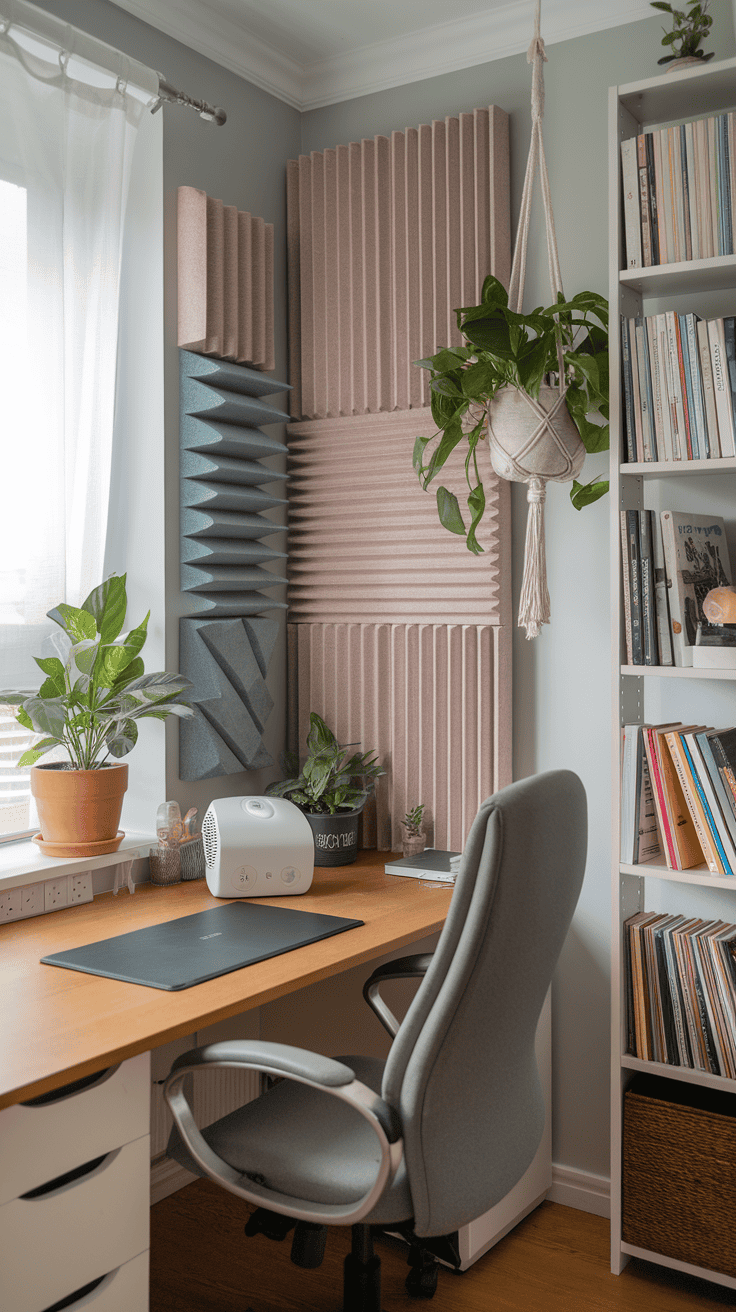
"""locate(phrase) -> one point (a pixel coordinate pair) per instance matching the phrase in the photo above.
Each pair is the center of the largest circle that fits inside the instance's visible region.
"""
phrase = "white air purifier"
(257, 847)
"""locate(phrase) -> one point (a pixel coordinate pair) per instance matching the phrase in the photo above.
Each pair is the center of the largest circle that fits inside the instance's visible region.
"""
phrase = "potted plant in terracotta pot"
(95, 691)
(331, 789)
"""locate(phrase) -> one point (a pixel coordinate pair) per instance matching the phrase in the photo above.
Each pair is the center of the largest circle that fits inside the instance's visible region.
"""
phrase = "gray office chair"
(440, 1132)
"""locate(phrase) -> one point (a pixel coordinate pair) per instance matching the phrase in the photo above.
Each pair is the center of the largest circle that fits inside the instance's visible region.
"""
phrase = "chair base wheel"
(421, 1281)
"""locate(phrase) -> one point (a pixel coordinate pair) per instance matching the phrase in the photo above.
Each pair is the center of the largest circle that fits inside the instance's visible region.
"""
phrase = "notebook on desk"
(180, 953)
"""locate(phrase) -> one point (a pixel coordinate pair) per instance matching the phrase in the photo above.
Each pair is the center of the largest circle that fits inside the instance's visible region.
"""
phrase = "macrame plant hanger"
(533, 441)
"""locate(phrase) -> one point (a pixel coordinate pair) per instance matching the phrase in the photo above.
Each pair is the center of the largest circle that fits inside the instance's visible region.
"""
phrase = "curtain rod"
(211, 113)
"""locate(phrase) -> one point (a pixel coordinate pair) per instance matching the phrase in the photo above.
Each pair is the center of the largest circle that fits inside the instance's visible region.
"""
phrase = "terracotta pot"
(79, 808)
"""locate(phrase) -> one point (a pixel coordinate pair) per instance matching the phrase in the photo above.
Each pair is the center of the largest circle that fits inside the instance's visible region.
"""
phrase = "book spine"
(673, 154)
(691, 428)
(681, 651)
(647, 845)
(725, 768)
(709, 399)
(672, 366)
(659, 336)
(689, 851)
(650, 325)
(646, 227)
(626, 376)
(626, 581)
(637, 645)
(730, 343)
(721, 386)
(678, 1003)
(693, 804)
(678, 367)
(713, 178)
(726, 186)
(653, 202)
(696, 386)
(692, 190)
(660, 804)
(665, 194)
(726, 801)
(632, 219)
(648, 603)
(664, 633)
(732, 168)
(648, 438)
(635, 390)
(702, 165)
(685, 192)
(721, 835)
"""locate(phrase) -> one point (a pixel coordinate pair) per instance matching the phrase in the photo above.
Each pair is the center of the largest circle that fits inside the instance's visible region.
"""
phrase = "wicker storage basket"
(679, 1172)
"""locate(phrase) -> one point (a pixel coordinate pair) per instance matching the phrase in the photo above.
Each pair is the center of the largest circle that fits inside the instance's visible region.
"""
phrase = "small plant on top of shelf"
(689, 30)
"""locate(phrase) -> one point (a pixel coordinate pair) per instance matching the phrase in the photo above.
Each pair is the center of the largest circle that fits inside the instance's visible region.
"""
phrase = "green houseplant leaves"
(330, 779)
(506, 349)
(90, 703)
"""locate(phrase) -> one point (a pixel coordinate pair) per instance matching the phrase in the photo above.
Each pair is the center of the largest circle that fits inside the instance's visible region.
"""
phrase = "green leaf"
(47, 715)
(585, 494)
(449, 440)
(49, 688)
(79, 624)
(320, 738)
(449, 511)
(85, 658)
(24, 718)
(123, 739)
(417, 459)
(107, 605)
(53, 667)
(39, 749)
(132, 671)
(492, 334)
(476, 505)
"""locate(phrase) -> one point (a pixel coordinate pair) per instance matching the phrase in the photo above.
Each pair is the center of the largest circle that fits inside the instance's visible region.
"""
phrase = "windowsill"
(23, 863)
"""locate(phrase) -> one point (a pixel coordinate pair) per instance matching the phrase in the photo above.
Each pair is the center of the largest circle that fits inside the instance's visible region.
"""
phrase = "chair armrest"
(402, 968)
(305, 1067)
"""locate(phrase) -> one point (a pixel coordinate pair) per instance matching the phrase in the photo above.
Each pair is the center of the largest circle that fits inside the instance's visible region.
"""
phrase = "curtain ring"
(4, 26)
(121, 86)
(63, 60)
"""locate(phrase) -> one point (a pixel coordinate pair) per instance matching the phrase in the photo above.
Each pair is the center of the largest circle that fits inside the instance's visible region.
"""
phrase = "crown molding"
(429, 52)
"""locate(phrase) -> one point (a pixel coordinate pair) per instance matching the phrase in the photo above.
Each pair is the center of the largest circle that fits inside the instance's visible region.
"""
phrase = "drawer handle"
(76, 1297)
(68, 1090)
(68, 1177)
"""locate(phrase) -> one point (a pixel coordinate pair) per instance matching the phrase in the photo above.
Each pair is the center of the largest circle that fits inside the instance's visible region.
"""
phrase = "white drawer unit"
(74, 1195)
(122, 1290)
(90, 1226)
(47, 1137)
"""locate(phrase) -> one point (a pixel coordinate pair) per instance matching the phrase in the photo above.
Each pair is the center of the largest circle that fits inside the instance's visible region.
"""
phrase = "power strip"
(52, 895)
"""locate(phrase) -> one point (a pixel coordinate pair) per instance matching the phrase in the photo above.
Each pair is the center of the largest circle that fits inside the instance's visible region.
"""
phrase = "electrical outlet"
(10, 905)
(56, 893)
(32, 901)
(80, 888)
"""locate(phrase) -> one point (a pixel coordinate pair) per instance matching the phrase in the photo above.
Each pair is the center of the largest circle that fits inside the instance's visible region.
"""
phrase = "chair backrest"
(462, 1070)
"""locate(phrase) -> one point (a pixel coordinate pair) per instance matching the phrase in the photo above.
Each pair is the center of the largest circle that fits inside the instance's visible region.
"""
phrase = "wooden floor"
(554, 1261)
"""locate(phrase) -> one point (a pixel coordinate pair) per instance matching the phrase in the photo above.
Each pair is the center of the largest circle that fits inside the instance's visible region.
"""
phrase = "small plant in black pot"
(331, 789)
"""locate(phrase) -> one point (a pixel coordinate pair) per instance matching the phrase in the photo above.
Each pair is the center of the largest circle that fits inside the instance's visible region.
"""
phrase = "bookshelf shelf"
(716, 274)
(637, 693)
(698, 875)
(664, 469)
(675, 672)
(682, 1073)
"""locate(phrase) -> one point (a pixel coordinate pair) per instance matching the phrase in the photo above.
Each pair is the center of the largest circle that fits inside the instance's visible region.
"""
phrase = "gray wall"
(243, 164)
(562, 686)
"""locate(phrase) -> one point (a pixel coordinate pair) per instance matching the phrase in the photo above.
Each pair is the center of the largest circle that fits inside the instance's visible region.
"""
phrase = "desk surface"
(59, 1025)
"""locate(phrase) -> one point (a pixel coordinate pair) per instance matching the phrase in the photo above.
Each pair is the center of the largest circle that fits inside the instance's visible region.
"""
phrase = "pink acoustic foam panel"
(386, 238)
(225, 281)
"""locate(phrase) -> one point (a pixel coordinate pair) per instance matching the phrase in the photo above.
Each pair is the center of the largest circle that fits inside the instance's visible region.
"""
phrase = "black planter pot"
(335, 837)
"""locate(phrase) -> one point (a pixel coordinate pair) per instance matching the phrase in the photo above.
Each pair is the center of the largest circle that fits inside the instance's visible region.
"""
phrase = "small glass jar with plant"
(331, 789)
(413, 841)
(95, 692)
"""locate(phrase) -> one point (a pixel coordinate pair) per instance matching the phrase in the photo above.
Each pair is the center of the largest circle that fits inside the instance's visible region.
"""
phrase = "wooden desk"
(57, 1025)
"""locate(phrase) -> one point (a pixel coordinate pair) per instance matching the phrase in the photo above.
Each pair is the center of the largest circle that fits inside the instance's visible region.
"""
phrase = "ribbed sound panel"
(222, 476)
(365, 542)
(386, 238)
(434, 702)
(225, 274)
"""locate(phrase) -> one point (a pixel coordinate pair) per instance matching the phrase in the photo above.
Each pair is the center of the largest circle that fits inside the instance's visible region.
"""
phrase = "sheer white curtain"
(69, 114)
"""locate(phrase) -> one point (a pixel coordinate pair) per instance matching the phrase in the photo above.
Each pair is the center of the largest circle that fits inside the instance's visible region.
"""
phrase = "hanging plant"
(533, 384)
(515, 351)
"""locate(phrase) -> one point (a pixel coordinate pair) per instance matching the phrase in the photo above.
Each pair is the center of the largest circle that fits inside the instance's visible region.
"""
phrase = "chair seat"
(309, 1144)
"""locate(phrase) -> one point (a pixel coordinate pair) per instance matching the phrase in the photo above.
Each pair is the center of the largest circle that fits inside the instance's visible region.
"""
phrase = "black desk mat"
(192, 949)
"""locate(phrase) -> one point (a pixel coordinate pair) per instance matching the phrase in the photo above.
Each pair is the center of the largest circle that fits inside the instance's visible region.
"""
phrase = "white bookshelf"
(655, 694)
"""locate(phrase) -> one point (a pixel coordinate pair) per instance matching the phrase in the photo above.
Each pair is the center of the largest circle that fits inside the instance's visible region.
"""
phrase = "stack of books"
(681, 992)
(678, 796)
(679, 381)
(671, 561)
(679, 187)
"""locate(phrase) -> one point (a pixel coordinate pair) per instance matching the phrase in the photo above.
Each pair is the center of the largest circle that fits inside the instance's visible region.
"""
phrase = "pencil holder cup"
(191, 856)
(165, 865)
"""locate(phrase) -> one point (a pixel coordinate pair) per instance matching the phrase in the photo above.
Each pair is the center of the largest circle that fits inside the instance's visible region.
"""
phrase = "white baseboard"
(166, 1177)
(580, 1189)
